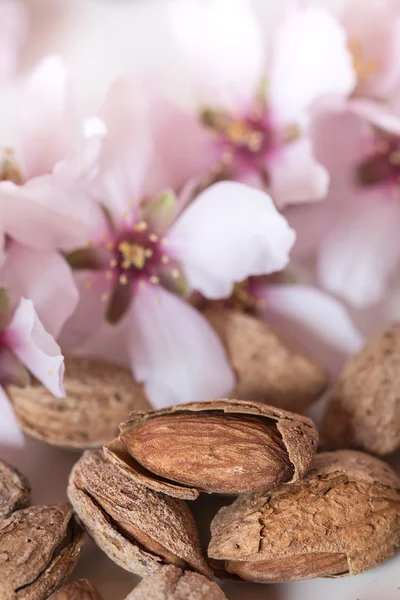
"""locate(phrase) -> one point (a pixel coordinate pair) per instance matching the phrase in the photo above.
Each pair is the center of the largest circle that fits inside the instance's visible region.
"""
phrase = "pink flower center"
(382, 165)
(242, 143)
(124, 262)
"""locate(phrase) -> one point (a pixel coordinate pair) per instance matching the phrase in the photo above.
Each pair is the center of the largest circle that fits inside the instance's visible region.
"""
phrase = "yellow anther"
(133, 255)
(142, 226)
(123, 279)
(154, 279)
(175, 273)
(153, 237)
(165, 259)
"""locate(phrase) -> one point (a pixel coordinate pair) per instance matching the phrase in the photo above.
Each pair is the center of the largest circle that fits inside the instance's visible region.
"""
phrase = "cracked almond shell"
(217, 446)
(171, 583)
(139, 529)
(364, 410)
(39, 548)
(81, 589)
(268, 368)
(342, 519)
(99, 396)
(15, 491)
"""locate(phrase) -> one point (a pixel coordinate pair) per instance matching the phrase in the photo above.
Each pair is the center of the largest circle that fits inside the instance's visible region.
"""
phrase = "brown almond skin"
(221, 446)
(222, 453)
(170, 583)
(139, 529)
(99, 396)
(268, 368)
(15, 491)
(364, 411)
(39, 548)
(81, 589)
(343, 518)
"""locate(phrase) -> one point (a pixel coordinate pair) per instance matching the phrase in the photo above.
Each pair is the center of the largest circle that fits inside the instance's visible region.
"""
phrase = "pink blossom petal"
(363, 248)
(43, 277)
(49, 212)
(223, 45)
(309, 60)
(48, 125)
(339, 136)
(229, 232)
(174, 351)
(10, 432)
(377, 114)
(35, 348)
(13, 30)
(94, 292)
(125, 155)
(314, 319)
(296, 176)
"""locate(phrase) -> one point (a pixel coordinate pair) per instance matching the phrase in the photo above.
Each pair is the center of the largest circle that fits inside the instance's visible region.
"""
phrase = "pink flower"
(13, 29)
(357, 247)
(373, 29)
(138, 267)
(255, 111)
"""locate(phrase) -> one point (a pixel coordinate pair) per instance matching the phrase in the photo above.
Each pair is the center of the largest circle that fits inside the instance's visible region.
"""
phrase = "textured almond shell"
(39, 548)
(81, 589)
(99, 396)
(170, 583)
(298, 433)
(268, 368)
(15, 490)
(364, 411)
(95, 483)
(313, 515)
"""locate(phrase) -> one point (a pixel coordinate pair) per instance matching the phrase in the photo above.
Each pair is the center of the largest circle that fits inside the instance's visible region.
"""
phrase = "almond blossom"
(139, 266)
(354, 233)
(254, 103)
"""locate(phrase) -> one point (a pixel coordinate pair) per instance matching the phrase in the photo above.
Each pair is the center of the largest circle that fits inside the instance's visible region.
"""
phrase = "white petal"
(296, 176)
(309, 59)
(175, 352)
(48, 124)
(43, 277)
(36, 348)
(312, 317)
(363, 248)
(229, 232)
(221, 41)
(11, 435)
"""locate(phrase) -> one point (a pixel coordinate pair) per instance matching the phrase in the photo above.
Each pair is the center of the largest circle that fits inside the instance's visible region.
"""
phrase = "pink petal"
(48, 125)
(363, 248)
(174, 351)
(309, 59)
(377, 114)
(35, 348)
(124, 159)
(223, 46)
(339, 136)
(229, 232)
(10, 432)
(49, 212)
(94, 292)
(296, 176)
(43, 277)
(191, 153)
(13, 30)
(314, 319)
